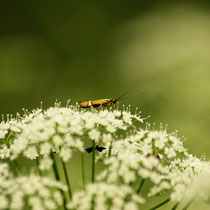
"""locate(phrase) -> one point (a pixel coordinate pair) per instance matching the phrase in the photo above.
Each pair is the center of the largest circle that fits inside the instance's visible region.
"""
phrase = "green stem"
(16, 170)
(37, 164)
(160, 204)
(175, 206)
(93, 163)
(93, 203)
(188, 204)
(17, 166)
(83, 170)
(55, 169)
(67, 179)
(140, 186)
(110, 150)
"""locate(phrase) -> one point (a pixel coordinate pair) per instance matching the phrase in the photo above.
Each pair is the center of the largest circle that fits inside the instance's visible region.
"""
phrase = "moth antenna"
(153, 66)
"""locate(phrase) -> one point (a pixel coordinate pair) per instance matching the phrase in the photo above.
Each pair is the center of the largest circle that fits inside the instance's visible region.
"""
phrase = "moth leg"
(99, 108)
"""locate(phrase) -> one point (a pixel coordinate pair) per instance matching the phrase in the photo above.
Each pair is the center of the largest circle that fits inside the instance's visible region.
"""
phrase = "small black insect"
(97, 147)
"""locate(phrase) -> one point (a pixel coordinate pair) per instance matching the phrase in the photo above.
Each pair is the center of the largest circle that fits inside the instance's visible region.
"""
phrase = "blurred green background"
(97, 49)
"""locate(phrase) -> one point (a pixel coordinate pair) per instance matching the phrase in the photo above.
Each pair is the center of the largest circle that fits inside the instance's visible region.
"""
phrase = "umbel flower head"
(141, 155)
(185, 178)
(159, 157)
(105, 196)
(61, 130)
(33, 191)
(132, 156)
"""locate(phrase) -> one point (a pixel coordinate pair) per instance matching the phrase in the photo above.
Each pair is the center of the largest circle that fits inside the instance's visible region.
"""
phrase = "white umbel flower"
(42, 132)
(3, 202)
(45, 164)
(3, 133)
(45, 148)
(32, 191)
(132, 155)
(94, 134)
(105, 196)
(31, 152)
(65, 154)
(4, 152)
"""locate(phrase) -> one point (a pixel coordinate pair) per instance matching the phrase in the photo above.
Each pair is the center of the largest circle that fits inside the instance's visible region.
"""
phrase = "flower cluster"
(60, 129)
(8, 130)
(4, 171)
(141, 155)
(132, 155)
(33, 191)
(105, 196)
(183, 178)
(145, 155)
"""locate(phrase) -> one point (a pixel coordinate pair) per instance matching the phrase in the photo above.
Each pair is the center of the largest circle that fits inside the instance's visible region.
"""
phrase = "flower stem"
(83, 170)
(17, 170)
(55, 169)
(93, 203)
(110, 150)
(160, 204)
(188, 204)
(67, 179)
(17, 166)
(175, 206)
(93, 163)
(140, 186)
(37, 164)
